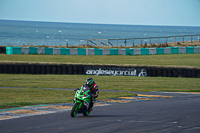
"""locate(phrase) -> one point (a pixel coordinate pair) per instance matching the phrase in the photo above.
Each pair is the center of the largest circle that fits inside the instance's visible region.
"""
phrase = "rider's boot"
(91, 105)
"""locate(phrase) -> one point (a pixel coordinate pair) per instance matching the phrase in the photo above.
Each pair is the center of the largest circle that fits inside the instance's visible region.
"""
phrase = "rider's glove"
(96, 87)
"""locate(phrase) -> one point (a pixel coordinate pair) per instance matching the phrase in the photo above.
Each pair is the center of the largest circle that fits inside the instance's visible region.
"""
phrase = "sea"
(18, 33)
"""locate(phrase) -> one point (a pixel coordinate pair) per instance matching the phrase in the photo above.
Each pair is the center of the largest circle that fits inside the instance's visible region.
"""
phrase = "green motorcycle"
(82, 100)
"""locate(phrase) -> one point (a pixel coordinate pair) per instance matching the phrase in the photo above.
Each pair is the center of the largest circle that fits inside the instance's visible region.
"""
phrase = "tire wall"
(98, 70)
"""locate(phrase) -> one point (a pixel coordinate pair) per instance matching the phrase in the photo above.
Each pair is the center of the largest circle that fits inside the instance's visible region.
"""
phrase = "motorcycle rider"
(93, 89)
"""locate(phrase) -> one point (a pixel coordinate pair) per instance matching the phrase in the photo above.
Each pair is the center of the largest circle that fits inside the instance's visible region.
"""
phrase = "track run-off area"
(146, 112)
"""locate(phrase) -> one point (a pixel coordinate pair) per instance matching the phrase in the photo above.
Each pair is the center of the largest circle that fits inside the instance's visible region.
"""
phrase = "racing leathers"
(94, 89)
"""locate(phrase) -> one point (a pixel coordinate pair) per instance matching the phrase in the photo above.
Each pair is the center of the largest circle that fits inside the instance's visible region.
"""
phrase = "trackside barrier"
(167, 50)
(130, 51)
(106, 51)
(56, 51)
(49, 51)
(41, 51)
(33, 50)
(90, 51)
(152, 51)
(81, 51)
(98, 70)
(25, 50)
(197, 49)
(2, 50)
(65, 51)
(113, 51)
(144, 51)
(190, 50)
(97, 51)
(73, 51)
(122, 51)
(160, 50)
(182, 50)
(137, 51)
(174, 50)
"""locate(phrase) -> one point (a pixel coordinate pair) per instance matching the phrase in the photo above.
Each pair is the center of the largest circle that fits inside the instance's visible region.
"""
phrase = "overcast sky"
(133, 12)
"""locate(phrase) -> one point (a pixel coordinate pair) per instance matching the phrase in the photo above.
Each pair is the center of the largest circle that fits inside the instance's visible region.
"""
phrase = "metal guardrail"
(107, 42)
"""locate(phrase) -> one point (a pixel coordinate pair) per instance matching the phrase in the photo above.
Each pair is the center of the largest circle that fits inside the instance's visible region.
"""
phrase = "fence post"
(158, 40)
(87, 41)
(191, 38)
(107, 42)
(175, 39)
(141, 41)
(199, 38)
(166, 39)
(150, 40)
(116, 42)
(133, 41)
(183, 38)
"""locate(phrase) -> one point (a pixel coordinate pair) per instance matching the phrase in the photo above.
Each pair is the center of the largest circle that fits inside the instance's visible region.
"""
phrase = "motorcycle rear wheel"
(74, 110)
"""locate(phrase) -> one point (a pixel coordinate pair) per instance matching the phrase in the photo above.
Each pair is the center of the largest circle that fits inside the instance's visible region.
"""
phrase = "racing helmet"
(89, 82)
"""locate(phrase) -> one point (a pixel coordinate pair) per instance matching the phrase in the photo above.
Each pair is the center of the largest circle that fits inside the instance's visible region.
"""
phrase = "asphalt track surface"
(180, 114)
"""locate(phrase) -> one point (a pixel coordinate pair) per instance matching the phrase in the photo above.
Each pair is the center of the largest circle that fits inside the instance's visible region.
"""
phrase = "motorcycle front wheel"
(74, 110)
(86, 113)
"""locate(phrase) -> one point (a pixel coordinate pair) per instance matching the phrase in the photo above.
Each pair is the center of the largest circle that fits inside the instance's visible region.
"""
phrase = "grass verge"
(172, 60)
(124, 83)
(25, 97)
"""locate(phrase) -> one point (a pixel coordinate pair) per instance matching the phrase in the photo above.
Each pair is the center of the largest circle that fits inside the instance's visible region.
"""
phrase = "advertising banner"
(115, 71)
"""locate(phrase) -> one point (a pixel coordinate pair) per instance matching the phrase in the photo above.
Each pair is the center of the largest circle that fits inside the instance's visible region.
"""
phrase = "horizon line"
(95, 23)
